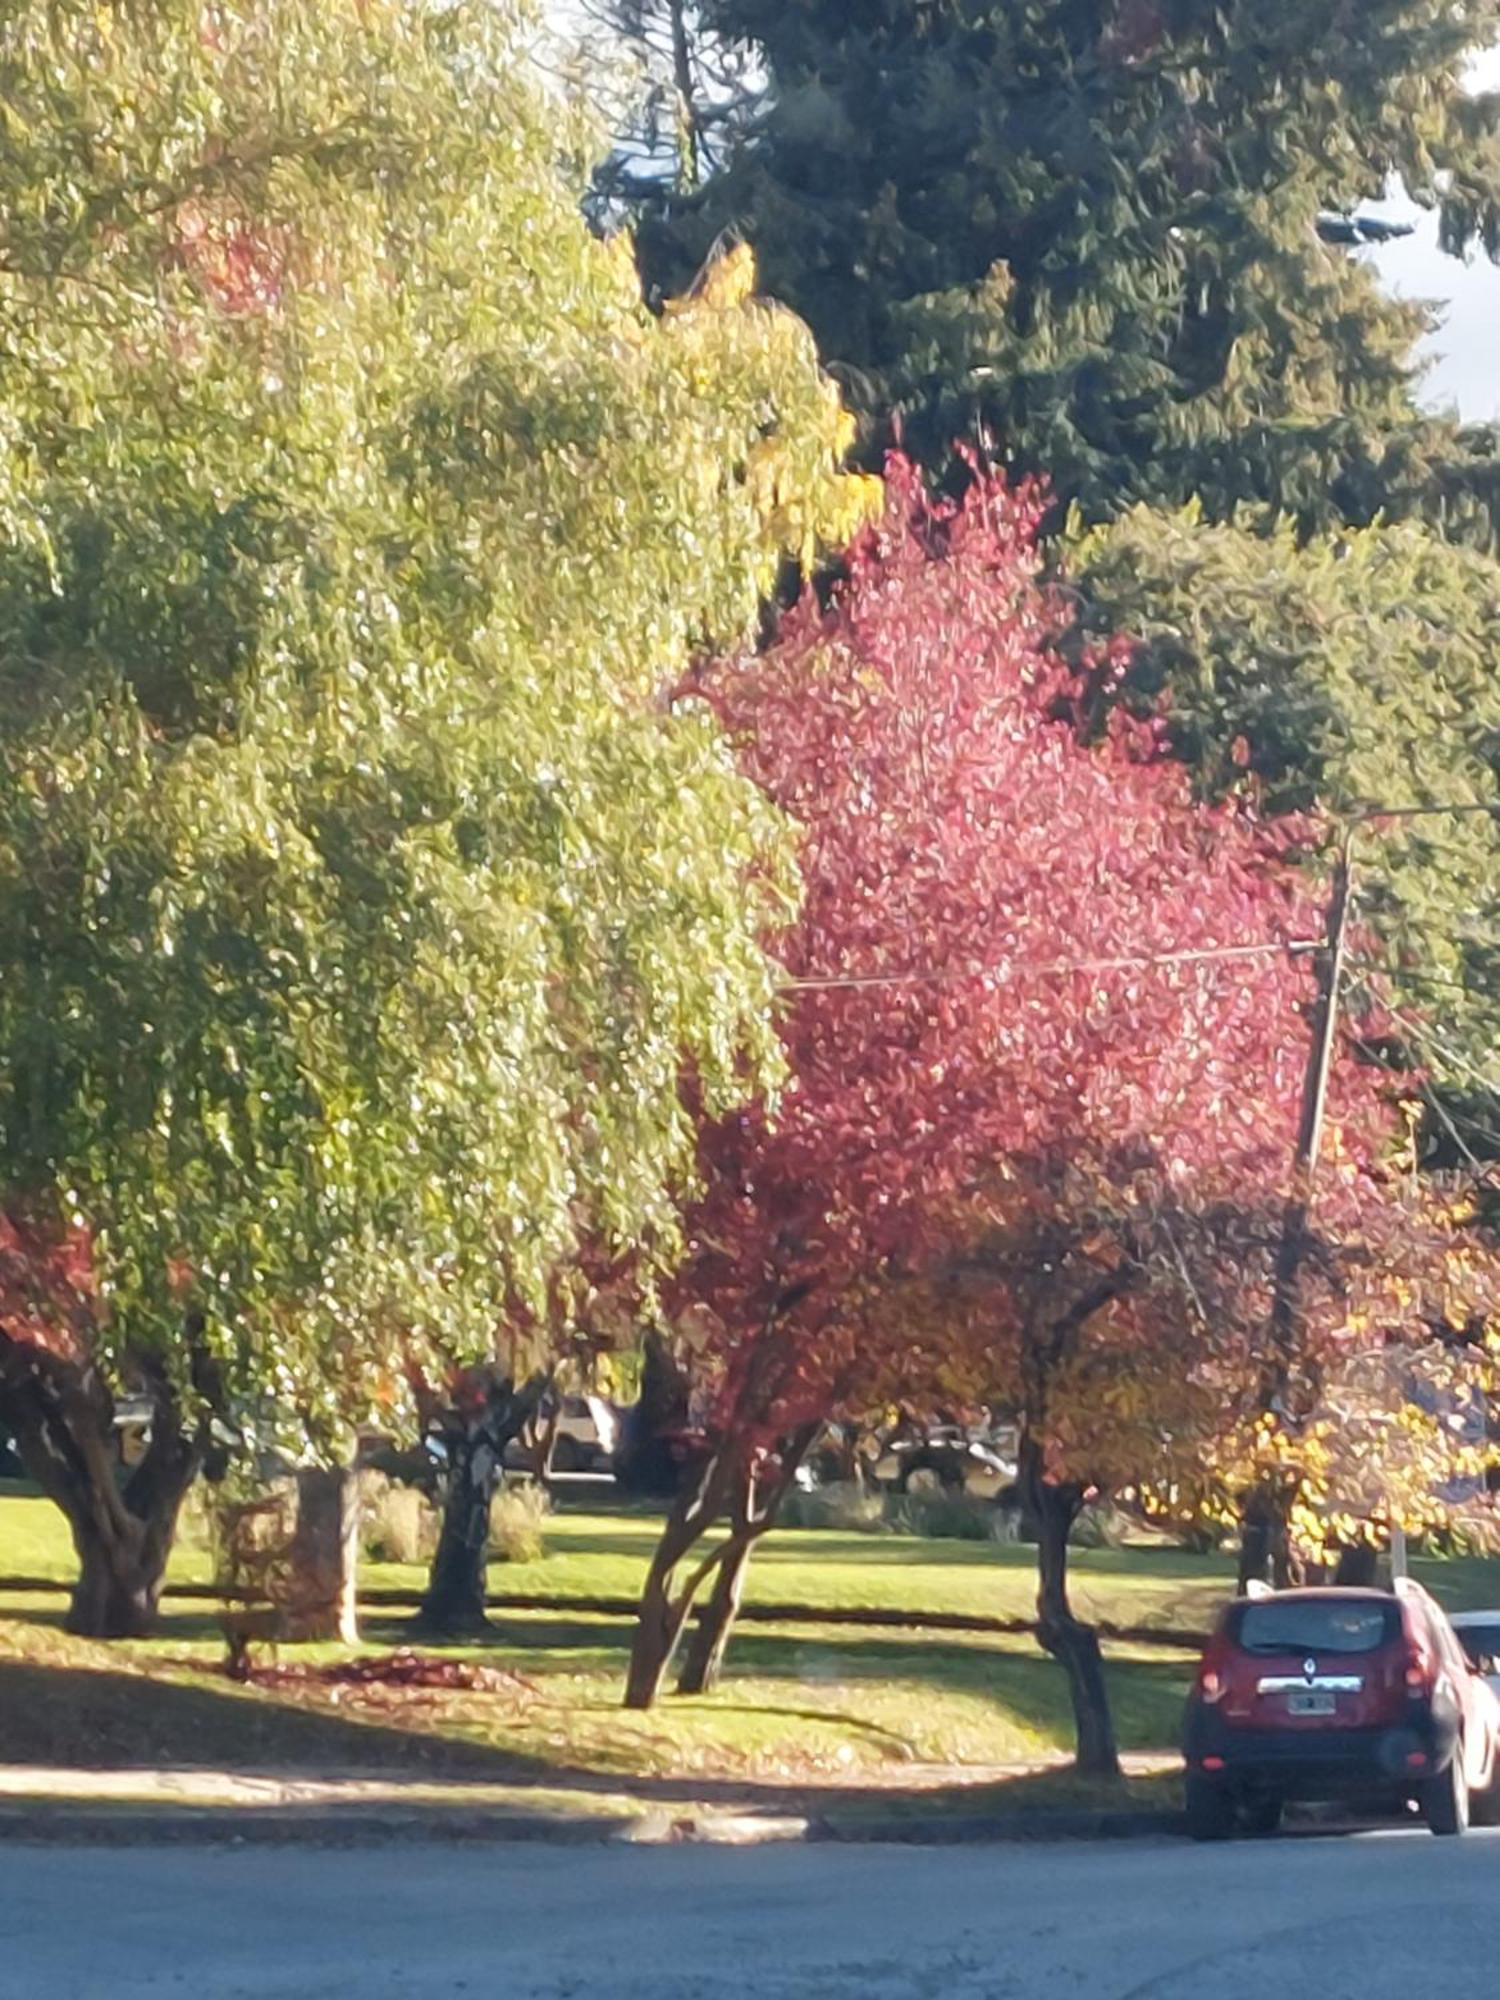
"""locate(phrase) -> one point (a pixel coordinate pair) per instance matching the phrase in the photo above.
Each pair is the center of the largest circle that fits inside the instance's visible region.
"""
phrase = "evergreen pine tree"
(1091, 235)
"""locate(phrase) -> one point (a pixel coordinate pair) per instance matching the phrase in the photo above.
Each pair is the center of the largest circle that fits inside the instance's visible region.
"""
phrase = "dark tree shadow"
(83, 1717)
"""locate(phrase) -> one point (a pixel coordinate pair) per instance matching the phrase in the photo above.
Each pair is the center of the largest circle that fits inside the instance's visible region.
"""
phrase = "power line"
(1423, 1030)
(1406, 976)
(1363, 815)
(1483, 1170)
(1012, 969)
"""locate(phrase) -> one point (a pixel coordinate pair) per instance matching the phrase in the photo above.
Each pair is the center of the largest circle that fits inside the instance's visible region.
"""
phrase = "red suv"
(1357, 1695)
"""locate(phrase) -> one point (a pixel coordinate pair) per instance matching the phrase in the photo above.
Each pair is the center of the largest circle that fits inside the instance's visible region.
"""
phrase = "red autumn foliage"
(242, 266)
(47, 1289)
(1046, 1023)
(1029, 970)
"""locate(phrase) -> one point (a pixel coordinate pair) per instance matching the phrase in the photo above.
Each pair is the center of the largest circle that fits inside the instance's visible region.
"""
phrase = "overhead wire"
(1007, 970)
(1483, 1171)
(1423, 1030)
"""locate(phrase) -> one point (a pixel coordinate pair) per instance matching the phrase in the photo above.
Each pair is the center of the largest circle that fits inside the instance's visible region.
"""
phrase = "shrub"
(1100, 1528)
(946, 1517)
(845, 1506)
(400, 1525)
(518, 1517)
(852, 1509)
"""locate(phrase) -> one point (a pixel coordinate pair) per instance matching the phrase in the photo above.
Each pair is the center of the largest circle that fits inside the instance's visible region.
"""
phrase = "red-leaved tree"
(1045, 1021)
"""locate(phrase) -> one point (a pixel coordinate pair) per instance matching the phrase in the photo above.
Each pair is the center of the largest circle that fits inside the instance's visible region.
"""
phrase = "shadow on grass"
(80, 1717)
(796, 1547)
(97, 1719)
(95, 1716)
(1147, 1693)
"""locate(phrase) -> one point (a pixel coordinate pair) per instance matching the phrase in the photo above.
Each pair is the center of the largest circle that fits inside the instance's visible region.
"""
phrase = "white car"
(588, 1430)
(949, 1459)
(1479, 1635)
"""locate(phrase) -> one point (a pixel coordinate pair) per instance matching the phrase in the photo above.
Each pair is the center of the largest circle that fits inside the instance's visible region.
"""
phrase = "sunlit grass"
(802, 1704)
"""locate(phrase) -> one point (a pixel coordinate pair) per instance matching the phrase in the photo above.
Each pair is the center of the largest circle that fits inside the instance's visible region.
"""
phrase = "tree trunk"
(1266, 1545)
(1255, 1551)
(1357, 1567)
(453, 1606)
(688, 135)
(324, 1557)
(1073, 1644)
(851, 1462)
(118, 1591)
(62, 1418)
(645, 1464)
(753, 1515)
(663, 1615)
(488, 1413)
(658, 1627)
(710, 1638)
(545, 1450)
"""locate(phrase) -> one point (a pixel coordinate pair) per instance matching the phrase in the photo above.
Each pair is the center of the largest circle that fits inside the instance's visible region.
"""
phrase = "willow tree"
(360, 899)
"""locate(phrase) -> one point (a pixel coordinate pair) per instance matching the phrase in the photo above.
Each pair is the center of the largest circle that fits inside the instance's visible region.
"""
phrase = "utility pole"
(1264, 1541)
(1289, 1253)
(1264, 1535)
(1284, 1300)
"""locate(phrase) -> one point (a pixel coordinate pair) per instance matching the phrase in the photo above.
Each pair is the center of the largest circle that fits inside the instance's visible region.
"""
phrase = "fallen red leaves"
(403, 1671)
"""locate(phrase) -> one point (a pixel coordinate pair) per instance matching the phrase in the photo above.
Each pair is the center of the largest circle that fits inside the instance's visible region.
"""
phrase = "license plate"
(1311, 1701)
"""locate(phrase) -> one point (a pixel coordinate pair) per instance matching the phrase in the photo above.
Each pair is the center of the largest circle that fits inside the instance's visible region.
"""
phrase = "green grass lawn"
(802, 1706)
(604, 1554)
(793, 1708)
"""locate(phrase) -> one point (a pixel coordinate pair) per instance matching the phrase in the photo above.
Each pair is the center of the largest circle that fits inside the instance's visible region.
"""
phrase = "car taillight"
(1213, 1678)
(1420, 1668)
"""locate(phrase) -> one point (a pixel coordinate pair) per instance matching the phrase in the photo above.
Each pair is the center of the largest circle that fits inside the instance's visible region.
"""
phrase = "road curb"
(979, 1829)
(48, 1823)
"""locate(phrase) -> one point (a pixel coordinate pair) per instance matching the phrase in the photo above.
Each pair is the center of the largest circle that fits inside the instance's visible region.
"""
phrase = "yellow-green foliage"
(1344, 672)
(362, 891)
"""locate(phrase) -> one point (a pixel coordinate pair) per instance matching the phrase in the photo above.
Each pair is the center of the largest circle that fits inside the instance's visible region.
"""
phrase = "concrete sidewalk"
(41, 1802)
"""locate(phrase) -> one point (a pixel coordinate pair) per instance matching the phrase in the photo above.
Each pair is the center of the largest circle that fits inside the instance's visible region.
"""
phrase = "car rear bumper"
(1323, 1764)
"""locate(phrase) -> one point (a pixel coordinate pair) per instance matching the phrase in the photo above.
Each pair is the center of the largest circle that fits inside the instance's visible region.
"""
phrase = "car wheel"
(1261, 1816)
(1210, 1810)
(926, 1479)
(1445, 1798)
(1484, 1805)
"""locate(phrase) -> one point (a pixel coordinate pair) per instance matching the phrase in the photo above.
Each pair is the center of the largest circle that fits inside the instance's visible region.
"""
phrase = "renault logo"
(1310, 1668)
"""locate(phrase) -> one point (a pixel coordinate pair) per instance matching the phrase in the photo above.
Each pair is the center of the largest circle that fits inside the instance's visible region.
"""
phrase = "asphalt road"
(1330, 1919)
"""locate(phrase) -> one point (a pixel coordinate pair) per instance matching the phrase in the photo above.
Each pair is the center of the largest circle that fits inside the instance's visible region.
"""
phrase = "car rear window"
(1481, 1643)
(1317, 1625)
